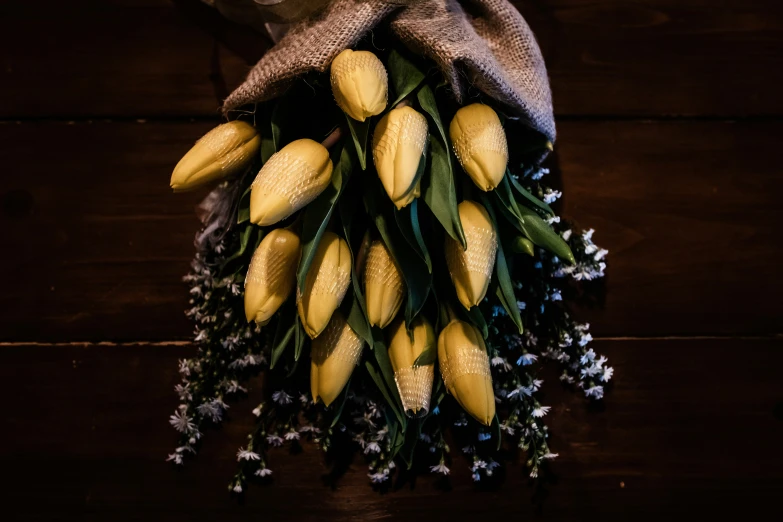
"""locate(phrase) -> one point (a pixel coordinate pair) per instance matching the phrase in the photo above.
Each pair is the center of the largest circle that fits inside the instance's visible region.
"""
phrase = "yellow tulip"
(334, 355)
(464, 366)
(292, 178)
(359, 84)
(480, 144)
(413, 382)
(471, 269)
(325, 285)
(383, 285)
(271, 275)
(224, 151)
(397, 148)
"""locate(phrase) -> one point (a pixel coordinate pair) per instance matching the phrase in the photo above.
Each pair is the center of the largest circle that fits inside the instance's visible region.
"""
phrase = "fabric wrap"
(477, 44)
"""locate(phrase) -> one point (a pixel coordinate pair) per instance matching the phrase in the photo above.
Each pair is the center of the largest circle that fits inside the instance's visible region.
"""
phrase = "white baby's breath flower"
(378, 477)
(541, 411)
(263, 472)
(175, 457)
(498, 361)
(274, 440)
(550, 196)
(595, 392)
(238, 488)
(292, 435)
(527, 359)
(244, 454)
(181, 421)
(281, 397)
(440, 468)
(184, 367)
(372, 447)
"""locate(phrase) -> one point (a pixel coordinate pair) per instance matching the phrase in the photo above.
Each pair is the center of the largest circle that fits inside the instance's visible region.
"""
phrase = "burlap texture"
(478, 44)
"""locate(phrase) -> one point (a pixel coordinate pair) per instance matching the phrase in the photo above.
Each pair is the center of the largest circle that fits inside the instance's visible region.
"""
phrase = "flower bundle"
(399, 238)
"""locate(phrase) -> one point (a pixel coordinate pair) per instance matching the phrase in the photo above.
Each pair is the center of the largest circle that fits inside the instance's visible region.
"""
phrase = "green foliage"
(318, 213)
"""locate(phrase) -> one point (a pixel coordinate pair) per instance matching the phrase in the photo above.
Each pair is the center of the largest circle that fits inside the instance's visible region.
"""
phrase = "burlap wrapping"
(492, 49)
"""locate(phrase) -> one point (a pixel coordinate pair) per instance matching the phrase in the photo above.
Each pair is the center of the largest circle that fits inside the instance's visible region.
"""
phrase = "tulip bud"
(224, 151)
(325, 285)
(397, 148)
(334, 355)
(464, 366)
(413, 382)
(292, 178)
(359, 84)
(480, 144)
(271, 275)
(383, 285)
(471, 269)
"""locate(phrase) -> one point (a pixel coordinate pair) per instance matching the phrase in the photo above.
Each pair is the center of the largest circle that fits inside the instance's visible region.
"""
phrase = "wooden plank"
(681, 431)
(152, 58)
(690, 214)
(119, 58)
(98, 243)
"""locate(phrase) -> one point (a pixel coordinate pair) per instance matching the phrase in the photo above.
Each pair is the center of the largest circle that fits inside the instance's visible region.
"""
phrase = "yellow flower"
(334, 355)
(224, 151)
(464, 366)
(480, 144)
(413, 382)
(271, 275)
(397, 148)
(359, 84)
(471, 269)
(326, 283)
(292, 178)
(383, 285)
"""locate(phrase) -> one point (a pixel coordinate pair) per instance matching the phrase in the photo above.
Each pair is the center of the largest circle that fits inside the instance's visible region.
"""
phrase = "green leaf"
(532, 226)
(267, 148)
(396, 434)
(427, 357)
(530, 198)
(384, 364)
(414, 271)
(380, 383)
(477, 318)
(319, 212)
(522, 245)
(405, 75)
(360, 130)
(408, 222)
(439, 190)
(243, 211)
(495, 426)
(542, 234)
(299, 338)
(353, 306)
(411, 439)
(505, 286)
(244, 240)
(286, 327)
(275, 122)
(340, 404)
(356, 317)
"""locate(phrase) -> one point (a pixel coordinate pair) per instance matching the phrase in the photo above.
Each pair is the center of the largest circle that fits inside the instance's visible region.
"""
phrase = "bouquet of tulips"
(368, 222)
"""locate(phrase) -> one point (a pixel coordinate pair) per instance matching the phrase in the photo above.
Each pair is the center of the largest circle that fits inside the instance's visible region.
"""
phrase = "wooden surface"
(669, 118)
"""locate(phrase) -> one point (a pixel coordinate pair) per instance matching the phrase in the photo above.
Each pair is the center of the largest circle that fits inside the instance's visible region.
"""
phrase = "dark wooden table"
(670, 117)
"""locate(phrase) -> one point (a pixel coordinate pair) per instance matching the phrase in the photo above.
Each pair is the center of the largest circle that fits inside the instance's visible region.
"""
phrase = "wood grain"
(122, 58)
(682, 426)
(100, 243)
